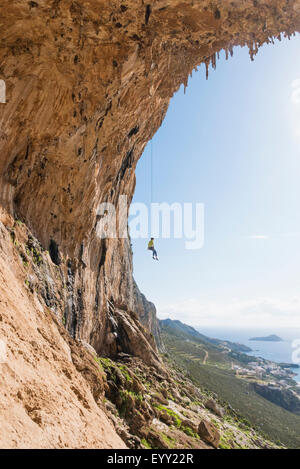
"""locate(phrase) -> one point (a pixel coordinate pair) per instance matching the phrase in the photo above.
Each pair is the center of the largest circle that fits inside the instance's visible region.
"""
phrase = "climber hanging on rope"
(151, 248)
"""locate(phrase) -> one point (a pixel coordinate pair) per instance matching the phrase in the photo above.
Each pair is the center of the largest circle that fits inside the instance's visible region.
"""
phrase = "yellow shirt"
(151, 244)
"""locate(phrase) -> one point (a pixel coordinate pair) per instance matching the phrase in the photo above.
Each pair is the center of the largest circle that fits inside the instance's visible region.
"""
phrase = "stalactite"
(214, 61)
(253, 49)
(185, 83)
(207, 62)
(251, 53)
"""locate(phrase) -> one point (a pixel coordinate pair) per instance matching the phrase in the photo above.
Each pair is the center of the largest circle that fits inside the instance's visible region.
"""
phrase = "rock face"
(50, 386)
(88, 84)
(209, 433)
(147, 314)
(212, 405)
(283, 397)
(150, 411)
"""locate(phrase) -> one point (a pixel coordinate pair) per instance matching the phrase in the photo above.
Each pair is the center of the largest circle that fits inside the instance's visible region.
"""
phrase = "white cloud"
(280, 312)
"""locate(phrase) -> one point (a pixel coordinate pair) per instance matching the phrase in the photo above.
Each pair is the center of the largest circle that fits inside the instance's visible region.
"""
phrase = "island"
(269, 338)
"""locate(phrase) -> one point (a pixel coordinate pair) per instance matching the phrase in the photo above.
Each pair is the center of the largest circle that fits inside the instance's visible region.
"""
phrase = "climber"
(151, 248)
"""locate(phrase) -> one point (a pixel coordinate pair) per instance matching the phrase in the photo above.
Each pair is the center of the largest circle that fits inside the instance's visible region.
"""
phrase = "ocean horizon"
(279, 352)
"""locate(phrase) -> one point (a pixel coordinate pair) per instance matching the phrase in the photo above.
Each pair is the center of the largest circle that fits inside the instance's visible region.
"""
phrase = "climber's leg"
(153, 250)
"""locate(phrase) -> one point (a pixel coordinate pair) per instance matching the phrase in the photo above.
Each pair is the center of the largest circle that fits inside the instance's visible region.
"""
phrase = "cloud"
(236, 312)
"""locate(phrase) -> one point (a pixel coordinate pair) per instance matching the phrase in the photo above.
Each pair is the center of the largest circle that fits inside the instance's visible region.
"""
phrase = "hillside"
(184, 330)
(222, 372)
(168, 410)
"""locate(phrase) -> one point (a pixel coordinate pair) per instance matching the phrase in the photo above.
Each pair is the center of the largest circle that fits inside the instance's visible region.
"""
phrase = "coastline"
(277, 352)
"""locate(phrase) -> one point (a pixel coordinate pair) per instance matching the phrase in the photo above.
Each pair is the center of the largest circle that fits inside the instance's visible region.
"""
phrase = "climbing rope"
(151, 171)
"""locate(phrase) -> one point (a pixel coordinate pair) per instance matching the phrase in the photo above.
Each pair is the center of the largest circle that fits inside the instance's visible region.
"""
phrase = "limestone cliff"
(88, 84)
(146, 312)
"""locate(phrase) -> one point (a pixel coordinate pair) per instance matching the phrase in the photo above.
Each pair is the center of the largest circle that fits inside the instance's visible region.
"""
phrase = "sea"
(279, 352)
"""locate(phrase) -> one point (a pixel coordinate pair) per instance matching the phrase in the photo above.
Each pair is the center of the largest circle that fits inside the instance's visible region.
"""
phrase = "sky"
(233, 144)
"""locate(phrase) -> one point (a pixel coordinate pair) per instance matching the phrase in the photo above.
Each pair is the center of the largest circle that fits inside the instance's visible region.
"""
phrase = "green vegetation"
(176, 419)
(124, 371)
(24, 259)
(171, 442)
(135, 396)
(146, 443)
(110, 366)
(100, 362)
(129, 400)
(241, 357)
(227, 440)
(224, 445)
(19, 223)
(217, 376)
(104, 362)
(188, 431)
(13, 237)
(34, 253)
(126, 399)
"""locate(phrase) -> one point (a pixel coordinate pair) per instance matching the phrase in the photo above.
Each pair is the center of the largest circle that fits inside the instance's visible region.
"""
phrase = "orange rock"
(208, 432)
(84, 94)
